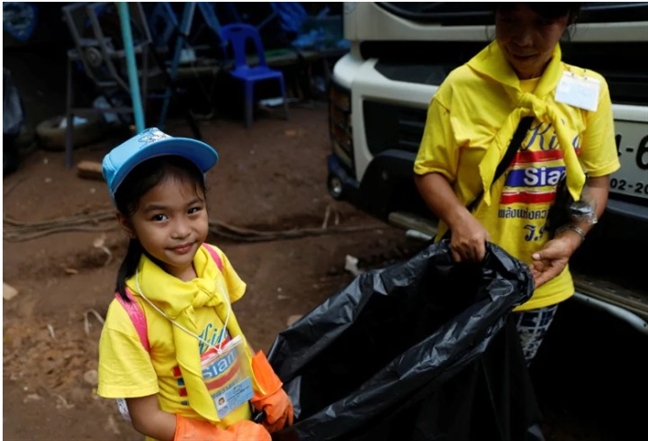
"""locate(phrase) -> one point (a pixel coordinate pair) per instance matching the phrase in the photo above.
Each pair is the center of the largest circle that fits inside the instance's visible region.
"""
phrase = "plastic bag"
(12, 111)
(13, 118)
(420, 350)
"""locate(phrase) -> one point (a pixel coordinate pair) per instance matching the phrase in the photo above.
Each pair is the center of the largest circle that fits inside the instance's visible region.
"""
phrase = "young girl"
(189, 374)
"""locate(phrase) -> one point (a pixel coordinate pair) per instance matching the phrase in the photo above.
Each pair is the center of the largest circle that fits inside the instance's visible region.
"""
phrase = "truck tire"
(52, 137)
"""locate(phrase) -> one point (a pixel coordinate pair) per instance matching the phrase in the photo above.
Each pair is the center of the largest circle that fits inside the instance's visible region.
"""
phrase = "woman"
(470, 123)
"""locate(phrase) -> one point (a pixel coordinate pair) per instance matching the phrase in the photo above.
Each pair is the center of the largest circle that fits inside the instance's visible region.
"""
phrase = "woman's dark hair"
(140, 180)
(545, 9)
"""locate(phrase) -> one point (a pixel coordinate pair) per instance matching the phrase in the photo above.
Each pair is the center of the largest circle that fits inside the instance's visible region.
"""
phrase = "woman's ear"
(126, 225)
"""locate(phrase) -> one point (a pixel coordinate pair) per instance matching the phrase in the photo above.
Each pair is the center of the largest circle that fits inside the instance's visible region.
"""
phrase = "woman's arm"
(554, 256)
(435, 167)
(148, 419)
(598, 189)
(469, 237)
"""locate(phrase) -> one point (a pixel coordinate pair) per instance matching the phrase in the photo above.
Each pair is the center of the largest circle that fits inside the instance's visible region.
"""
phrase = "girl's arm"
(148, 419)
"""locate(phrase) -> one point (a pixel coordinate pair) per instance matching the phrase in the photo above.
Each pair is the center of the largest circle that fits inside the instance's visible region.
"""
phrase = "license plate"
(632, 145)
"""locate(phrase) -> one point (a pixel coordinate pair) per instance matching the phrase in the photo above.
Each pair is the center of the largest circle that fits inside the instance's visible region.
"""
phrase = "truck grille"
(391, 126)
(340, 124)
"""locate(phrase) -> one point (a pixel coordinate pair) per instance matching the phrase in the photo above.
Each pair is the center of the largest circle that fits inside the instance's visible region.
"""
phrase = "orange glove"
(188, 429)
(275, 403)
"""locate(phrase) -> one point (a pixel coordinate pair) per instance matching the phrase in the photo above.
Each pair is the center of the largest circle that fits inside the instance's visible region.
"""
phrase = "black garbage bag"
(421, 350)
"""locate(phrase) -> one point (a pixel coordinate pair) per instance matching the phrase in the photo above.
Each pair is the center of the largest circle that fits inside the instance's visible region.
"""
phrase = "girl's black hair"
(140, 180)
(545, 9)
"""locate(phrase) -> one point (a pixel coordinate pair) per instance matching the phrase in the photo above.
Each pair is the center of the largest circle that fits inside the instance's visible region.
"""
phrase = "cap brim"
(201, 154)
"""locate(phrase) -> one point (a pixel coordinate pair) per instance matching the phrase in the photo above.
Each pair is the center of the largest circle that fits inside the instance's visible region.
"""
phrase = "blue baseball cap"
(149, 144)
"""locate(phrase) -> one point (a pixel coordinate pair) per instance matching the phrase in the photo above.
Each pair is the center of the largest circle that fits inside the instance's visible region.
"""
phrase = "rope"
(21, 231)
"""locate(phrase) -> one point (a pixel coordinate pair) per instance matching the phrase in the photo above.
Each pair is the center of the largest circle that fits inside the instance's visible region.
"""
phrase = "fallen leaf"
(8, 291)
(32, 397)
(99, 241)
(292, 319)
(91, 377)
(111, 426)
(61, 402)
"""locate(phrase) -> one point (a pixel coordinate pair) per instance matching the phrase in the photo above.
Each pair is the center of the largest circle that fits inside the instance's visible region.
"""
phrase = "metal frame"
(634, 320)
(97, 52)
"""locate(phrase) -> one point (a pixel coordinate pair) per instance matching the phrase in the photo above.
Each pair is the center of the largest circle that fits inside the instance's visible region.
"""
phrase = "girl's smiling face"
(171, 222)
(528, 39)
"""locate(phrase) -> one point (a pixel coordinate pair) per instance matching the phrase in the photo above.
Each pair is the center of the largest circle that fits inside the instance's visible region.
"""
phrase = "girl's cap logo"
(151, 135)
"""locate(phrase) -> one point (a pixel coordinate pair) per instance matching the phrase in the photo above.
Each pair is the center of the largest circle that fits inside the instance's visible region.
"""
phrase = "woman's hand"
(552, 259)
(469, 237)
(468, 241)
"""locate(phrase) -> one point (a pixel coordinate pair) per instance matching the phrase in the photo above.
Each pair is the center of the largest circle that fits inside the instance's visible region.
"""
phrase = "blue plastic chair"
(237, 36)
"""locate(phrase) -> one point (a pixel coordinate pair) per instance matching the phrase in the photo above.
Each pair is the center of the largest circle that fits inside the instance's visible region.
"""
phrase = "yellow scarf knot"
(490, 62)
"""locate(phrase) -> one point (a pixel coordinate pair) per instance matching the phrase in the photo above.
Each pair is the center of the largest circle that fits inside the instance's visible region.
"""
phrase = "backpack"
(135, 312)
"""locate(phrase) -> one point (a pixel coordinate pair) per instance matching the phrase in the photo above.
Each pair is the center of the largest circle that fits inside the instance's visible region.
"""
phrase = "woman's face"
(527, 39)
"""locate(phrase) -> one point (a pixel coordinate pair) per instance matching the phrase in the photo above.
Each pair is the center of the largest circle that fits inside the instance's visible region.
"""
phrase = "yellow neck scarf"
(178, 300)
(490, 62)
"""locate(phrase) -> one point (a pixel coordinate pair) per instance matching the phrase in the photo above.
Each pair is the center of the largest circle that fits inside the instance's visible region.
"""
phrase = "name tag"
(581, 92)
(227, 376)
(234, 397)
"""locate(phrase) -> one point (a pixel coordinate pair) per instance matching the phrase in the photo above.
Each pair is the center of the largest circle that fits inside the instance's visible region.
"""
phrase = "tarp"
(13, 116)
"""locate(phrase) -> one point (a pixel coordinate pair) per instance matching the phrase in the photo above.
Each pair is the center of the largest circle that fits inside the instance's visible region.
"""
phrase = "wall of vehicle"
(401, 52)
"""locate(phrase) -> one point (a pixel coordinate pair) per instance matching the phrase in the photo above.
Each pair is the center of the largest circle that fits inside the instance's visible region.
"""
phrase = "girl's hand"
(275, 402)
(552, 259)
(188, 429)
(468, 241)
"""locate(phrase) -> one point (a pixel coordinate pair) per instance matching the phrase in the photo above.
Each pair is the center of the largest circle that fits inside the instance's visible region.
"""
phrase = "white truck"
(378, 98)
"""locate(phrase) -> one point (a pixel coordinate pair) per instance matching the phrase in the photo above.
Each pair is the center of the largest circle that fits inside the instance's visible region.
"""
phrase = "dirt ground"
(270, 178)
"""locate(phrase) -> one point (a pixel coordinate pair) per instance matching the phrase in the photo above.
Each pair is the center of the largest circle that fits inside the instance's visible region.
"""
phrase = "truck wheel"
(335, 187)
(52, 137)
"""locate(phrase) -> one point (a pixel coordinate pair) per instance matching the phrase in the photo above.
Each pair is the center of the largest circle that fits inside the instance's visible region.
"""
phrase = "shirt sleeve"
(438, 152)
(599, 155)
(125, 368)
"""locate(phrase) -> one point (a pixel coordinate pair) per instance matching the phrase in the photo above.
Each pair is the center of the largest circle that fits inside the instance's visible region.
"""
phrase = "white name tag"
(581, 92)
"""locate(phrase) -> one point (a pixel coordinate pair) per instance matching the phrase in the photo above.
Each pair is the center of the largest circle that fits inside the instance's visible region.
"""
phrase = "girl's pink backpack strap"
(137, 316)
(214, 254)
